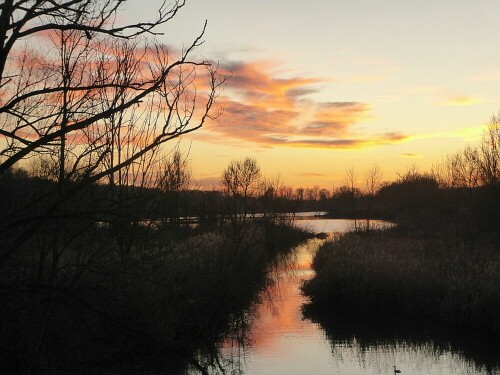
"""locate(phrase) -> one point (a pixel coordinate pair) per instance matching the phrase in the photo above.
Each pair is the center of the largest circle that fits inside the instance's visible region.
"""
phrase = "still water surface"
(281, 341)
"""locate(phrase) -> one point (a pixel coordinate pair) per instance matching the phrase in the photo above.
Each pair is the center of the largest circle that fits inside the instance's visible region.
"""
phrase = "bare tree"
(324, 194)
(490, 152)
(59, 95)
(350, 178)
(174, 179)
(175, 173)
(465, 167)
(277, 199)
(91, 104)
(474, 165)
(98, 99)
(241, 181)
(373, 181)
(299, 193)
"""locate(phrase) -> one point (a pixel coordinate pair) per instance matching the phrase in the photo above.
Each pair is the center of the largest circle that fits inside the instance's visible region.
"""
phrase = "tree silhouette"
(240, 181)
(45, 101)
(95, 98)
(87, 104)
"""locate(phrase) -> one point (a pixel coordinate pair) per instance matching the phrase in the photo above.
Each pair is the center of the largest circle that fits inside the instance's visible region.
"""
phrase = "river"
(281, 341)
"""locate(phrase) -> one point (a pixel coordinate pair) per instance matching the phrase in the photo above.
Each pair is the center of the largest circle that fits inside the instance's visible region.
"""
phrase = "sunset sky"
(320, 86)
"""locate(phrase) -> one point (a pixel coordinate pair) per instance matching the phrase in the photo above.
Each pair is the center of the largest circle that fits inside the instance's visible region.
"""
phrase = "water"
(281, 341)
(320, 225)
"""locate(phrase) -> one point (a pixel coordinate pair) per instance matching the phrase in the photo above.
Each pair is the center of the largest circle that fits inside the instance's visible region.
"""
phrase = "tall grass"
(394, 274)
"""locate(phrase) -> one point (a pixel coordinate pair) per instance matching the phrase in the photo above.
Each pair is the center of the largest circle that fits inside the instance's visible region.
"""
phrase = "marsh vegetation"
(439, 267)
(112, 260)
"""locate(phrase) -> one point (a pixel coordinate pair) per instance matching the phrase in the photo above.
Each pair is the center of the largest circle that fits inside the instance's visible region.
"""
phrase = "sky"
(321, 86)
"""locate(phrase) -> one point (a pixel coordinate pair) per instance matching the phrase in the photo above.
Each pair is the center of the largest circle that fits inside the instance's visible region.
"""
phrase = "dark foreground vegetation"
(116, 280)
(119, 279)
(164, 303)
(404, 275)
(439, 268)
(109, 261)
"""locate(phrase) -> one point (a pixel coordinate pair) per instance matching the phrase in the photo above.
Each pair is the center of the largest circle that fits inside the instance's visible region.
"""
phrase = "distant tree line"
(464, 188)
(436, 271)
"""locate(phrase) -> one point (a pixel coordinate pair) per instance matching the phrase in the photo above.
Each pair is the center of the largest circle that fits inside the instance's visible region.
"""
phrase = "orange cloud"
(256, 85)
(353, 142)
(334, 119)
(269, 111)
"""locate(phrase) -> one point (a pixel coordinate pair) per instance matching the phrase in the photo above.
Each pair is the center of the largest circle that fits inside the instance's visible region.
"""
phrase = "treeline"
(438, 269)
(462, 189)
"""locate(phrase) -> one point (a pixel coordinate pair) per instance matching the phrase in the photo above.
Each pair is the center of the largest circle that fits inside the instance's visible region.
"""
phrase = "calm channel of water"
(281, 341)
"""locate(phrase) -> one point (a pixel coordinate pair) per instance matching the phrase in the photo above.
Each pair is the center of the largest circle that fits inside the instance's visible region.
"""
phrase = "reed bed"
(400, 275)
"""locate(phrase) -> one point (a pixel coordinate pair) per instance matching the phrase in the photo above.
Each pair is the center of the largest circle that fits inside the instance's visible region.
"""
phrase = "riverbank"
(427, 278)
(168, 304)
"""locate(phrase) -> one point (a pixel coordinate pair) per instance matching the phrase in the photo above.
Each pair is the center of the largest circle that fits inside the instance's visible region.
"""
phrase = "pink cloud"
(272, 111)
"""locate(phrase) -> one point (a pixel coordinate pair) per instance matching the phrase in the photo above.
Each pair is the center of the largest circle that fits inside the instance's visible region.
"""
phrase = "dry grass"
(404, 275)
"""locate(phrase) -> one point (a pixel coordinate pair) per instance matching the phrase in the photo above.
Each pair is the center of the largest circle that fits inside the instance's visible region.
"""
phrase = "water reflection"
(353, 358)
(321, 225)
(276, 338)
(364, 348)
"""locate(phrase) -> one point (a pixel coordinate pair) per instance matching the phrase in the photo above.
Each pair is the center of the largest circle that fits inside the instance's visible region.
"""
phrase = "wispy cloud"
(442, 96)
(460, 100)
(410, 155)
(315, 175)
(363, 79)
(264, 108)
(473, 132)
(490, 75)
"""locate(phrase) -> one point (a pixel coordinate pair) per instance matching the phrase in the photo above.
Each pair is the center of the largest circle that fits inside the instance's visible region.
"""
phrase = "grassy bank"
(427, 278)
(167, 304)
